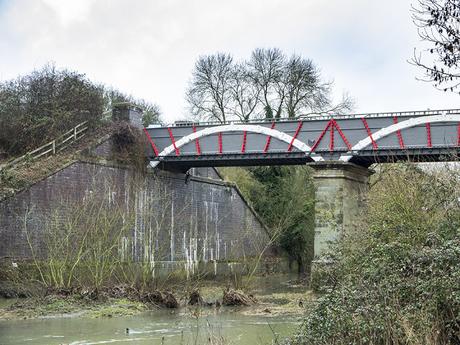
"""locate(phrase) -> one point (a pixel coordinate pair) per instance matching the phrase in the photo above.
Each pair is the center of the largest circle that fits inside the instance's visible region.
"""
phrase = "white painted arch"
(412, 122)
(237, 128)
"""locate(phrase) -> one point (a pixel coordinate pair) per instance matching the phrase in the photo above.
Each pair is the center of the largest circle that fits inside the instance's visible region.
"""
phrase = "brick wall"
(175, 218)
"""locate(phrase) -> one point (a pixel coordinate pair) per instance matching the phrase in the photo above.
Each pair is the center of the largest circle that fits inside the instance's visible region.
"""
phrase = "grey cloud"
(148, 48)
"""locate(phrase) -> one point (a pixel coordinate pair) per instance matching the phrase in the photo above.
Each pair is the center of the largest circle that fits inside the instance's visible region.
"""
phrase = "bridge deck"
(362, 139)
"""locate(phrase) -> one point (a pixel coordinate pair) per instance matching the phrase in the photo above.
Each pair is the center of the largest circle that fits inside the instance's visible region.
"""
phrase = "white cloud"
(148, 48)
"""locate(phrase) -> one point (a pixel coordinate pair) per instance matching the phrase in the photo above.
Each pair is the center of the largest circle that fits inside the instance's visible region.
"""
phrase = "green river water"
(214, 326)
(157, 327)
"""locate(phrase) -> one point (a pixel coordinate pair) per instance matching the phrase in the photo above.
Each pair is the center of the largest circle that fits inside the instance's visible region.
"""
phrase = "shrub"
(396, 279)
(47, 102)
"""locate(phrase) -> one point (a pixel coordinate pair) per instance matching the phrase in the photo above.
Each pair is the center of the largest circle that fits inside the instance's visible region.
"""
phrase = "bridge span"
(339, 148)
(361, 139)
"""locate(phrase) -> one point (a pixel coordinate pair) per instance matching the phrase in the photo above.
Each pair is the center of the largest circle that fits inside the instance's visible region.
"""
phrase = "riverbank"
(71, 319)
(273, 296)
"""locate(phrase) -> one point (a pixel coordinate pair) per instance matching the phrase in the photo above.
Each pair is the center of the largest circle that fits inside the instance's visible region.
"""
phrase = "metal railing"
(52, 147)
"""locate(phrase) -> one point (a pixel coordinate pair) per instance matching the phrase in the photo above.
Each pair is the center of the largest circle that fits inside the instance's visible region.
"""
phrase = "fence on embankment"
(52, 147)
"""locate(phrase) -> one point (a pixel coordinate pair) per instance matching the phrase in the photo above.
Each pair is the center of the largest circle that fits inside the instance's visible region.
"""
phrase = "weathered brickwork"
(176, 217)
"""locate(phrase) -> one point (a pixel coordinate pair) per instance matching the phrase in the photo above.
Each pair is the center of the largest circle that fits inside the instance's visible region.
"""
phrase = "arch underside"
(302, 152)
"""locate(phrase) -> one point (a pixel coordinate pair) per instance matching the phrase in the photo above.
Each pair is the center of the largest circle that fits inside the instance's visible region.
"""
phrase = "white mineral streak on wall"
(127, 196)
(232, 266)
(189, 247)
(205, 242)
(217, 245)
(171, 245)
(215, 218)
(141, 220)
(187, 256)
(196, 234)
(153, 212)
(109, 194)
(136, 218)
(124, 248)
(150, 203)
(193, 241)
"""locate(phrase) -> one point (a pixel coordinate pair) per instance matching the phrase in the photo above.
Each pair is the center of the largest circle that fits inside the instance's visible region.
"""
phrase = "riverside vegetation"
(395, 279)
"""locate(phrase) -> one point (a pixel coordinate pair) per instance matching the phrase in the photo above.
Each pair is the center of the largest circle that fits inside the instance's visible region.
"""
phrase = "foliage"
(395, 280)
(150, 112)
(284, 198)
(438, 25)
(44, 104)
(129, 146)
(268, 85)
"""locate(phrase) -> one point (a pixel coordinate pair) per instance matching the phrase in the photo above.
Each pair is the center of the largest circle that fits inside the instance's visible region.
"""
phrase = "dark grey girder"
(360, 139)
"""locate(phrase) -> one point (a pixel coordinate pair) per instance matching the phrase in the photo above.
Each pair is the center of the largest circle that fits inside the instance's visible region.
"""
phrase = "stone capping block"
(339, 169)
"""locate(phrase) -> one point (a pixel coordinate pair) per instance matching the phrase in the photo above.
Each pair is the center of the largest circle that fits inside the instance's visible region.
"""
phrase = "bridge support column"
(340, 191)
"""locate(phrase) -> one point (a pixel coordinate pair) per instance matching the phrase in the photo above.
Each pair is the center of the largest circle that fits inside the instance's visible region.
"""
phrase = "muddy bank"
(210, 297)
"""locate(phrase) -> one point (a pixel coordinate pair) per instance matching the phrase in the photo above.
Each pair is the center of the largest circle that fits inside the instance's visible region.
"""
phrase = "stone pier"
(340, 191)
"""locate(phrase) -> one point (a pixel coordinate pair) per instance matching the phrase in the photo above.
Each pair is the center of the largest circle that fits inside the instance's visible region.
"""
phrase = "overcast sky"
(148, 47)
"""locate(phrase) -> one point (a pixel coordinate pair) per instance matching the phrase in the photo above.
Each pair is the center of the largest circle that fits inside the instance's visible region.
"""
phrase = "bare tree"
(438, 23)
(304, 89)
(269, 85)
(245, 93)
(292, 87)
(266, 70)
(209, 92)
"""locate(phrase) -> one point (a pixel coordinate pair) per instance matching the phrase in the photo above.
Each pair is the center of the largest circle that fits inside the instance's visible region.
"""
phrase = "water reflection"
(155, 327)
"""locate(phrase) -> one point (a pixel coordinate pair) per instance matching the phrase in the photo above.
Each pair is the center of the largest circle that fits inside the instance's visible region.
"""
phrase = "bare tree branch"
(438, 23)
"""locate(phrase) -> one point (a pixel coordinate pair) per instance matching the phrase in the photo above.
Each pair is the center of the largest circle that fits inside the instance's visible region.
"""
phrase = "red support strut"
(155, 150)
(269, 138)
(400, 138)
(243, 145)
(219, 137)
(369, 133)
(321, 136)
(299, 126)
(344, 138)
(197, 143)
(331, 140)
(428, 134)
(458, 134)
(173, 141)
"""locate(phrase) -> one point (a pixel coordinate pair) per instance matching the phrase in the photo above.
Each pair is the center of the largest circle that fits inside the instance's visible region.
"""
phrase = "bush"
(42, 105)
(284, 197)
(396, 280)
(38, 107)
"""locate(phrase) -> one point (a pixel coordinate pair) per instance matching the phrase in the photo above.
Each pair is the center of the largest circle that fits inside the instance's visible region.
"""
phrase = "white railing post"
(54, 146)
(75, 133)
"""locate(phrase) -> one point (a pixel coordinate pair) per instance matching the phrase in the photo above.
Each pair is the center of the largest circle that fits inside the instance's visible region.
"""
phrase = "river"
(158, 327)
(185, 326)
